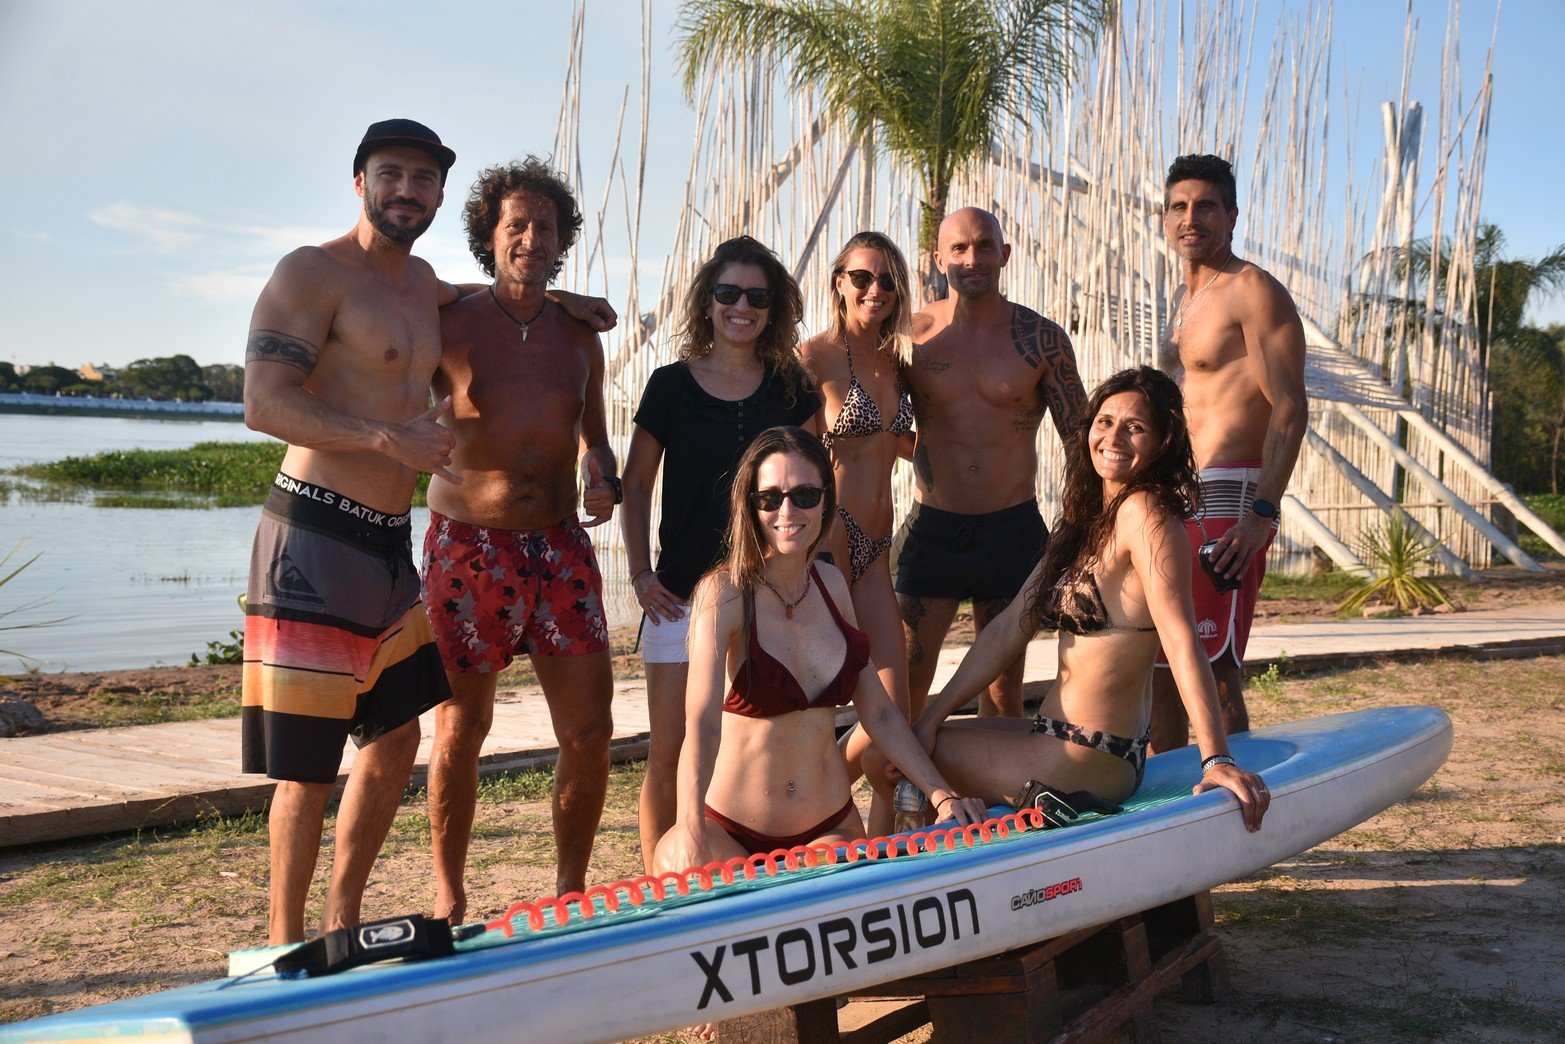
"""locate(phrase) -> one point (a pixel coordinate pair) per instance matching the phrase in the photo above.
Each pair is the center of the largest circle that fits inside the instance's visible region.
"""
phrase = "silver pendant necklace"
(1179, 315)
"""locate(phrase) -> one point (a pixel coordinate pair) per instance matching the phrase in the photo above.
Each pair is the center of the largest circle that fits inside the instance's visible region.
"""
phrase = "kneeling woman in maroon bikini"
(773, 653)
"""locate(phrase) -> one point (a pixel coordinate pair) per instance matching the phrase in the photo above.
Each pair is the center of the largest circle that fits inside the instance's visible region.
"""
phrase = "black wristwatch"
(1266, 509)
(617, 486)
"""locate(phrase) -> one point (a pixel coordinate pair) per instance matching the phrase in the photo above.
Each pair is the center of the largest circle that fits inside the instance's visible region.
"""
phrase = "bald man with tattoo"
(343, 342)
(985, 371)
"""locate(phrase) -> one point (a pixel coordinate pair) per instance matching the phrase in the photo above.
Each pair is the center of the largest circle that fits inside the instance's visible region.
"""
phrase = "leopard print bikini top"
(860, 417)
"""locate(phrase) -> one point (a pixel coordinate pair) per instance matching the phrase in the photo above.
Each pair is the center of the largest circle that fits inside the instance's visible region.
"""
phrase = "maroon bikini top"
(764, 688)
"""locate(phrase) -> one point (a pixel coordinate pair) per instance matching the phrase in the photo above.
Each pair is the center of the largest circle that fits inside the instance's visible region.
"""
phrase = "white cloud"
(31, 235)
(168, 231)
(274, 242)
(234, 286)
(162, 229)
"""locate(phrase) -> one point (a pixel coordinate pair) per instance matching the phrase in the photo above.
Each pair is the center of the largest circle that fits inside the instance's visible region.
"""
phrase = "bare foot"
(451, 908)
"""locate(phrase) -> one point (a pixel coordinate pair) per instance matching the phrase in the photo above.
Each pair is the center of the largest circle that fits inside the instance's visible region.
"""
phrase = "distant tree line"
(1526, 363)
(173, 378)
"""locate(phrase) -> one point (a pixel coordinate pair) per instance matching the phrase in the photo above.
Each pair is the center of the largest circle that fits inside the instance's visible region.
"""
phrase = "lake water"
(142, 586)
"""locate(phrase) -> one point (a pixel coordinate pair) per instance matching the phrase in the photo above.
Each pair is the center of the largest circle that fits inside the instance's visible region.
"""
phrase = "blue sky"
(162, 154)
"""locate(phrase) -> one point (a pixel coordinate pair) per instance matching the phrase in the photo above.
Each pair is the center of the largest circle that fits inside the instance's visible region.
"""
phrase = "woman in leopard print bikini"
(1115, 582)
(867, 419)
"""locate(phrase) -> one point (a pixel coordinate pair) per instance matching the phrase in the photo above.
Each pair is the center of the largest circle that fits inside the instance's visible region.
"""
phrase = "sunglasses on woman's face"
(861, 280)
(804, 497)
(728, 293)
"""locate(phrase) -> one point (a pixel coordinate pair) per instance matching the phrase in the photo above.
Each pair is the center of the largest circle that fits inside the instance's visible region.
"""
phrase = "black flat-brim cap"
(414, 135)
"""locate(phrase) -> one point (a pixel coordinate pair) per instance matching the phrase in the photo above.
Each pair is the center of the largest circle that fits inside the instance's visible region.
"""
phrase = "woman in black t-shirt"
(738, 374)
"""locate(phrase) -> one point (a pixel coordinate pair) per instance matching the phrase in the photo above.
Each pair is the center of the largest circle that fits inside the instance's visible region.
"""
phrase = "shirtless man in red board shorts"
(508, 569)
(1237, 348)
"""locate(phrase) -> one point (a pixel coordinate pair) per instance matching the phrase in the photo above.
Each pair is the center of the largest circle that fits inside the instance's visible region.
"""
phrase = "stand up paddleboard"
(626, 962)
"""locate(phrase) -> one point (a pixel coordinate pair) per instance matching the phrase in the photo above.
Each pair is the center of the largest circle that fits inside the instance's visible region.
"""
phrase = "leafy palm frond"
(1502, 285)
(927, 80)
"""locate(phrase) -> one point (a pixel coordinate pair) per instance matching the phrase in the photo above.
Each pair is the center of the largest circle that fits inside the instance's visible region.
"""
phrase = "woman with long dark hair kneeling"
(1115, 583)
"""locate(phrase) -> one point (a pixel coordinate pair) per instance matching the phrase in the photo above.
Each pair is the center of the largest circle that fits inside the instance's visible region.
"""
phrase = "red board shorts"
(494, 593)
(337, 645)
(1222, 621)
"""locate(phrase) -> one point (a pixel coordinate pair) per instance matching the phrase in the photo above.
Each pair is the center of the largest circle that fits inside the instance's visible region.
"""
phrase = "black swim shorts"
(941, 554)
(337, 644)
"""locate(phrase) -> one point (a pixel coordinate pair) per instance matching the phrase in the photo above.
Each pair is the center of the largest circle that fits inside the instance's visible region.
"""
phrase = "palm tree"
(1502, 285)
(927, 80)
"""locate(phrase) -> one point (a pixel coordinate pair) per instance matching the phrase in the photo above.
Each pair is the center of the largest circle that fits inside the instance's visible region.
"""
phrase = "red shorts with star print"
(494, 593)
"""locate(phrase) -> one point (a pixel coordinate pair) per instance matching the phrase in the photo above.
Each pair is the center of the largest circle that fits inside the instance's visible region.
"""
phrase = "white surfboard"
(803, 934)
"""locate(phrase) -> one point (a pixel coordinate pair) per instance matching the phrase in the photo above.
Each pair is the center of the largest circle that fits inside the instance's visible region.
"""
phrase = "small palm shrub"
(1396, 556)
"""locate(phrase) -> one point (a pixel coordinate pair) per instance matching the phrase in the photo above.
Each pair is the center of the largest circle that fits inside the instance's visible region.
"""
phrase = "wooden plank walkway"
(75, 784)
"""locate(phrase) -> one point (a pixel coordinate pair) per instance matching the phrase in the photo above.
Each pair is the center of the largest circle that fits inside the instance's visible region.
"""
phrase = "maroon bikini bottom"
(755, 843)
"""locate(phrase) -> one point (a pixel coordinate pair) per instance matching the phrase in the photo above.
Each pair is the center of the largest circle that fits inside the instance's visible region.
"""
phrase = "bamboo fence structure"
(1399, 414)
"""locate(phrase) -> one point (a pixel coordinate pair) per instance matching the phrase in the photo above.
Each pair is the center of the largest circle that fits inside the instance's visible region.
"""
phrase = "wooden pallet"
(1079, 987)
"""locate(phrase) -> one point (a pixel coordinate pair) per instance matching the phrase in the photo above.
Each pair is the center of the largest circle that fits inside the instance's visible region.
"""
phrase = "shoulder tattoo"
(276, 346)
(1037, 340)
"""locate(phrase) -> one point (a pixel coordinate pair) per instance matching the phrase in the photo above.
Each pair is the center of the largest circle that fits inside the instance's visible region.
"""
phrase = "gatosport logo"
(382, 935)
(1033, 896)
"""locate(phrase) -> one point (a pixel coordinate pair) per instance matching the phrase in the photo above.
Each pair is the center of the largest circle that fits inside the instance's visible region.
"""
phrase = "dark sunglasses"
(728, 293)
(861, 279)
(802, 496)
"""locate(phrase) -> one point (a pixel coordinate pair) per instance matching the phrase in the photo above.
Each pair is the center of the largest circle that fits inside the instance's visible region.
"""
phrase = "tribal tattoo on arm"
(1042, 344)
(1035, 339)
(276, 346)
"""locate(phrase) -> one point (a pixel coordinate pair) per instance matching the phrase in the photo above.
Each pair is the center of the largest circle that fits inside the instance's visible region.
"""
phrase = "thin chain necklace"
(789, 607)
(879, 352)
(507, 313)
(1179, 316)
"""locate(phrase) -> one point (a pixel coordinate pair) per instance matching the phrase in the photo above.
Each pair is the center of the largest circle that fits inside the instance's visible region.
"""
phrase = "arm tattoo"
(921, 466)
(276, 346)
(1066, 399)
(1037, 340)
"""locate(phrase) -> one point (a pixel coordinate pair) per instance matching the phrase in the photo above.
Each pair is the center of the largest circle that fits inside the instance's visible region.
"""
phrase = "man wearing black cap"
(343, 342)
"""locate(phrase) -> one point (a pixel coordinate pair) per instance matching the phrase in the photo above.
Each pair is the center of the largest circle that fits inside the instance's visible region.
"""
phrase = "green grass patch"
(1325, 587)
(212, 468)
(155, 708)
(1412, 1015)
(1285, 907)
(221, 474)
(1551, 508)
